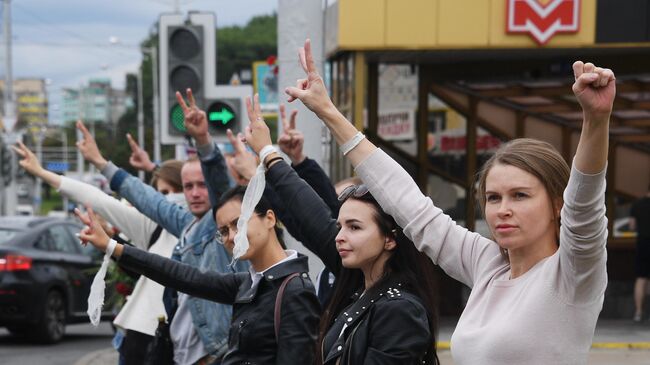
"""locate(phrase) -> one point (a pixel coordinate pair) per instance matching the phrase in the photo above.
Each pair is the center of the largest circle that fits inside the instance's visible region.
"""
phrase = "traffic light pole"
(9, 201)
(140, 118)
(153, 52)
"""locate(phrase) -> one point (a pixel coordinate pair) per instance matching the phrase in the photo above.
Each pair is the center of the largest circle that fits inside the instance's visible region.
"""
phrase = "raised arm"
(139, 158)
(32, 165)
(317, 228)
(313, 93)
(595, 89)
(213, 164)
(459, 252)
(209, 285)
(583, 232)
(291, 142)
(143, 197)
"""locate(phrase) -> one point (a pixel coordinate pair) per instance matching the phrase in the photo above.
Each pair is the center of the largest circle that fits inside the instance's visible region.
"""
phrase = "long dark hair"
(407, 265)
(264, 205)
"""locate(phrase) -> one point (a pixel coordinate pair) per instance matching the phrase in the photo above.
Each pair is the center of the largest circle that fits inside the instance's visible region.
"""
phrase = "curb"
(445, 345)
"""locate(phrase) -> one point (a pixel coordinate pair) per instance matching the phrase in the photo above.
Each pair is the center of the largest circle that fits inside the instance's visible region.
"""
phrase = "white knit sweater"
(546, 316)
(144, 305)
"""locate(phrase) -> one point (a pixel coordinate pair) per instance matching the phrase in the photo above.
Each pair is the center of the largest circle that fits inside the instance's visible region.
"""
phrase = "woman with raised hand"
(139, 316)
(538, 287)
(383, 307)
(275, 309)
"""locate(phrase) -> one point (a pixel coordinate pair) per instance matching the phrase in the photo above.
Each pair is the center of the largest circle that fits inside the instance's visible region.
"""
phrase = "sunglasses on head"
(353, 190)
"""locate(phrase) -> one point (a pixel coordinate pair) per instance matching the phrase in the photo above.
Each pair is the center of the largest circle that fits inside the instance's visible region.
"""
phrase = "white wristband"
(265, 151)
(353, 142)
(111, 247)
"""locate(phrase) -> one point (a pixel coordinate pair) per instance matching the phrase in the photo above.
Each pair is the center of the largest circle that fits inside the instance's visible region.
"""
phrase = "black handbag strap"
(154, 236)
(278, 304)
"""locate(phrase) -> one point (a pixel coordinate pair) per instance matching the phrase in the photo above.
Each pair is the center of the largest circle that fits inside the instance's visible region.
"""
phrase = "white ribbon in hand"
(98, 287)
(252, 196)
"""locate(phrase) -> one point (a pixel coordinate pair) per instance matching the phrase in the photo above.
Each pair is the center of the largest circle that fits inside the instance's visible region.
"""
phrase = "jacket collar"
(247, 291)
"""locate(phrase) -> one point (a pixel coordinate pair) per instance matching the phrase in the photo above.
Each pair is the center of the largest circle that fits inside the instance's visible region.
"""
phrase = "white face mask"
(177, 198)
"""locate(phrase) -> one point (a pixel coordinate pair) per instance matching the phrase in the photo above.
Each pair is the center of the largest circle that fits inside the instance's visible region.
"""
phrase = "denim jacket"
(202, 248)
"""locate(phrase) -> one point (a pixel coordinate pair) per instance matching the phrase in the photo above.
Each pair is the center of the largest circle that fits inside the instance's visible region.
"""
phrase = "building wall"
(97, 101)
(31, 100)
(452, 24)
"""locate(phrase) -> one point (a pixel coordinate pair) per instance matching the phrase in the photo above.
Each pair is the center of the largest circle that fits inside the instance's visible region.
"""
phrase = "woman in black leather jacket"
(255, 323)
(383, 309)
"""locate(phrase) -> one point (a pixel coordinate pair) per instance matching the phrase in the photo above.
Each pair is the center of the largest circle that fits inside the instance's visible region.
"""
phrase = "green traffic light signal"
(177, 118)
(221, 115)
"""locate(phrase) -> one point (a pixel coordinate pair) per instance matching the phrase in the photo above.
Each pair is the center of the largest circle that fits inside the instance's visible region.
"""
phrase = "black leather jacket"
(387, 325)
(252, 332)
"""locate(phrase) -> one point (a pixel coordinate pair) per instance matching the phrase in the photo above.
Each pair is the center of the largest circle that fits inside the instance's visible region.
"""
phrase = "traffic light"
(5, 165)
(226, 109)
(187, 60)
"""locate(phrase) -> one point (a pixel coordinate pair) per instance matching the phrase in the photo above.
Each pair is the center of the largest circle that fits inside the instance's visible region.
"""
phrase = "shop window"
(446, 138)
(397, 105)
(621, 225)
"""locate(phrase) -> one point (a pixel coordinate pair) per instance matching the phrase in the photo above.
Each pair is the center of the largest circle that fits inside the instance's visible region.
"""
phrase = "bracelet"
(265, 151)
(352, 143)
(110, 247)
(271, 161)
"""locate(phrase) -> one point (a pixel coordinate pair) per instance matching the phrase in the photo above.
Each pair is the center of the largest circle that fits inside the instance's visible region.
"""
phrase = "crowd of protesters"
(206, 240)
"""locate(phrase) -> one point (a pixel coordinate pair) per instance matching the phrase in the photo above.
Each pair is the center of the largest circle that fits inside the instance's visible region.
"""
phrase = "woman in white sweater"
(139, 316)
(538, 287)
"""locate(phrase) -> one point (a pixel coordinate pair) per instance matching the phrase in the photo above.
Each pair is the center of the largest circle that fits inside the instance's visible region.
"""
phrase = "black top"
(641, 213)
(252, 332)
(383, 327)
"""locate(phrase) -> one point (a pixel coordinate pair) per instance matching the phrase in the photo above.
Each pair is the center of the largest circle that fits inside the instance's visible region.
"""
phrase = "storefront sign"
(542, 19)
(396, 124)
(454, 143)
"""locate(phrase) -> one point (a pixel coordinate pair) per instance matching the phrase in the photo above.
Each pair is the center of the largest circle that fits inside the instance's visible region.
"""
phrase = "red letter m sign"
(543, 21)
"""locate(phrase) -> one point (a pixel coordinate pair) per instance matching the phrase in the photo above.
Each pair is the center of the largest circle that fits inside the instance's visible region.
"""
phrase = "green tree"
(238, 47)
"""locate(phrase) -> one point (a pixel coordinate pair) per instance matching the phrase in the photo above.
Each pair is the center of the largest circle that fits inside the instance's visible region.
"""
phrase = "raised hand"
(311, 90)
(29, 161)
(595, 89)
(242, 163)
(196, 122)
(88, 147)
(139, 158)
(93, 232)
(291, 141)
(257, 132)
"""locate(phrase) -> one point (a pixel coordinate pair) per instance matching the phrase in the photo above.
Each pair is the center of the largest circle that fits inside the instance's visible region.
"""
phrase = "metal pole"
(37, 189)
(91, 167)
(64, 139)
(8, 96)
(140, 118)
(153, 51)
(10, 196)
(82, 115)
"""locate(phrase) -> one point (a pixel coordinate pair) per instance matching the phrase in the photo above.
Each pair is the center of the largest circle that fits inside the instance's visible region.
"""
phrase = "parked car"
(45, 276)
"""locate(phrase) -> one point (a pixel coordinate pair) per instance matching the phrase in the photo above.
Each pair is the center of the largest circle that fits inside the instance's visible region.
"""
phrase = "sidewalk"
(615, 342)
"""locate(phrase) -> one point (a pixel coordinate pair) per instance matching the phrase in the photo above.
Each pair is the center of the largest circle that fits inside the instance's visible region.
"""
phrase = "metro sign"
(541, 20)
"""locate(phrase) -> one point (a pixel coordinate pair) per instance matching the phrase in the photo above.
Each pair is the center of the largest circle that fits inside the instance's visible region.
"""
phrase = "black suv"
(45, 276)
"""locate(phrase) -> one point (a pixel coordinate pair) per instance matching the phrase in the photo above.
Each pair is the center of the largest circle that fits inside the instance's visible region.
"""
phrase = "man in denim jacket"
(199, 328)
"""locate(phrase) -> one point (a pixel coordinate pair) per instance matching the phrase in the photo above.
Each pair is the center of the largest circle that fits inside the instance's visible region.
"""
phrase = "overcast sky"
(67, 41)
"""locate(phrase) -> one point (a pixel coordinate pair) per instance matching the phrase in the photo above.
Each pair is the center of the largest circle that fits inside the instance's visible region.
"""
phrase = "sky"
(68, 42)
